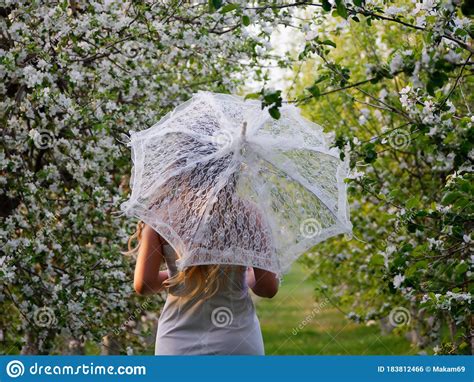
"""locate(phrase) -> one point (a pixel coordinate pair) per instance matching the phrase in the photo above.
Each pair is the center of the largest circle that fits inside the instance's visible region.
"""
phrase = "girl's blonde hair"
(201, 281)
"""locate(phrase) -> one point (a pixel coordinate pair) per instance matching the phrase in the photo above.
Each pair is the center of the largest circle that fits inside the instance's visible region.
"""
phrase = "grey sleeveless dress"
(226, 323)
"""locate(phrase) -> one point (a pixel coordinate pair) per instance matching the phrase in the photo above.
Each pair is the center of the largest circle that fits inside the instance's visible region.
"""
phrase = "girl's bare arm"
(147, 278)
(263, 283)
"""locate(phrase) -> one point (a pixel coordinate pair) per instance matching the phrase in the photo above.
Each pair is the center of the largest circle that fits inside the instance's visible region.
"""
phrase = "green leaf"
(467, 8)
(461, 268)
(436, 80)
(377, 260)
(370, 153)
(450, 197)
(272, 97)
(229, 8)
(413, 202)
(216, 3)
(246, 20)
(329, 42)
(395, 193)
(314, 90)
(252, 96)
(322, 78)
(341, 8)
(413, 227)
(357, 2)
(326, 5)
(464, 185)
(274, 112)
(461, 203)
(421, 213)
(423, 264)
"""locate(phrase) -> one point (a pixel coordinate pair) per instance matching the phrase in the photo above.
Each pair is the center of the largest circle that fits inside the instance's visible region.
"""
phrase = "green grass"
(293, 322)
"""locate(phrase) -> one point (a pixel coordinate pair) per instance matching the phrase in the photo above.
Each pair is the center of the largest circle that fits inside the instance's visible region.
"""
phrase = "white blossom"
(393, 10)
(398, 280)
(396, 63)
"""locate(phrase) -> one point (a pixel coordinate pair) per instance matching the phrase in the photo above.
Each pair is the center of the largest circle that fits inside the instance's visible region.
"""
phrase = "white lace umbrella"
(225, 183)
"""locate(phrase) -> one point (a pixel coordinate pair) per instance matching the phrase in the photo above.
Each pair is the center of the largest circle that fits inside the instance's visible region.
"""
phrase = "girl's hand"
(263, 283)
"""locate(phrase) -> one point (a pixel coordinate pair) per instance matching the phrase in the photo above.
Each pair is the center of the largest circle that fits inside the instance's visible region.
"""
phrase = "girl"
(208, 309)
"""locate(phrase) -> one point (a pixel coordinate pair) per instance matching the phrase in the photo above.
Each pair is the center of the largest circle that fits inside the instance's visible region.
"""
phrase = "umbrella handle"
(242, 136)
(244, 129)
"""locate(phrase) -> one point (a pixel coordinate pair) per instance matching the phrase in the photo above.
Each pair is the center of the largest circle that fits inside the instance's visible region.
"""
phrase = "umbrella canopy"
(225, 183)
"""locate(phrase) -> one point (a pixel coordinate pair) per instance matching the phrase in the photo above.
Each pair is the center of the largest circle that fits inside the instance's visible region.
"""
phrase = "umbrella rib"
(166, 130)
(274, 143)
(319, 193)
